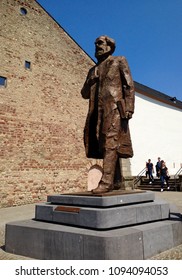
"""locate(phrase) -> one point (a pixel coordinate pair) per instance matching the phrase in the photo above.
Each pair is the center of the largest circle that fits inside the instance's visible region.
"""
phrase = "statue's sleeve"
(86, 89)
(128, 85)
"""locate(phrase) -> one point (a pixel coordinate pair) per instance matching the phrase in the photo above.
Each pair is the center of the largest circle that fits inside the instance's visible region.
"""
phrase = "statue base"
(115, 225)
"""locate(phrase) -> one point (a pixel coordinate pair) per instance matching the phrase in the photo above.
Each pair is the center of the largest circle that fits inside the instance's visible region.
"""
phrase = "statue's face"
(101, 48)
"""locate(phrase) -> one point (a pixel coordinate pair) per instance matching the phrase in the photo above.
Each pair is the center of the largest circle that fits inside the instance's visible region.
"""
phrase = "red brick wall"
(42, 114)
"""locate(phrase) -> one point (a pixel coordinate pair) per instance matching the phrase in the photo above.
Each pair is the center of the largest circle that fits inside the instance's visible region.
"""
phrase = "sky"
(147, 32)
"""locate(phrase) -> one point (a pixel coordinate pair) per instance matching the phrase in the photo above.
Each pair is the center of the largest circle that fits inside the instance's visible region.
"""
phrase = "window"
(27, 64)
(3, 81)
(23, 11)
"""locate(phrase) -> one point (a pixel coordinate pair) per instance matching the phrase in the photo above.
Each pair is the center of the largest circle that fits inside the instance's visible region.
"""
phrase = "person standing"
(110, 90)
(164, 176)
(150, 171)
(158, 167)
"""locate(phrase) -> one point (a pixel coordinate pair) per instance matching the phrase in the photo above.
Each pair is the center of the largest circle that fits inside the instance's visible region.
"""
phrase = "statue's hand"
(128, 115)
(93, 77)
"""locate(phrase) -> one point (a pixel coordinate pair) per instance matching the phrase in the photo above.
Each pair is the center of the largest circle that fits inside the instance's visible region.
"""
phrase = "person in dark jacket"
(110, 90)
(157, 167)
(150, 171)
(164, 176)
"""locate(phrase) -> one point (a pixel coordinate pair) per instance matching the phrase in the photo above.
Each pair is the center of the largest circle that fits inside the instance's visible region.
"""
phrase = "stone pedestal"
(116, 225)
(127, 178)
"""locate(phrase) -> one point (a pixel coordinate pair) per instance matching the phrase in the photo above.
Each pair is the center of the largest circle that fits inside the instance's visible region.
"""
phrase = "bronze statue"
(110, 90)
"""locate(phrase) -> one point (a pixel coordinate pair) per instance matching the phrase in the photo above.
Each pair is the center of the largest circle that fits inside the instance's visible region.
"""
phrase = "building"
(42, 113)
(156, 129)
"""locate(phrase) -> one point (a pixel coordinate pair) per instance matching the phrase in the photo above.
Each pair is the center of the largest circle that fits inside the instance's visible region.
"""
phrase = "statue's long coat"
(113, 89)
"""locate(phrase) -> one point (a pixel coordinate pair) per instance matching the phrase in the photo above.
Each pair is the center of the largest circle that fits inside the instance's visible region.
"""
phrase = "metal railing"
(139, 176)
(176, 177)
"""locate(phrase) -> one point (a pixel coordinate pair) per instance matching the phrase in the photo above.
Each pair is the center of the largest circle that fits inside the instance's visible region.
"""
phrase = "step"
(103, 218)
(172, 181)
(48, 241)
(155, 187)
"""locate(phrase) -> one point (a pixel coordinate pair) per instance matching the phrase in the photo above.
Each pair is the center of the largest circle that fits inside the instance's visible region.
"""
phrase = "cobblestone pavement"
(28, 211)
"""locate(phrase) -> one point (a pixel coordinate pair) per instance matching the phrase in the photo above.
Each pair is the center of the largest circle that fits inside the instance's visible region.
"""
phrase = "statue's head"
(104, 46)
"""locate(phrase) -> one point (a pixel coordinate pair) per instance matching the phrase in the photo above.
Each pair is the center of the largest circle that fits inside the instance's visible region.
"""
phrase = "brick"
(42, 111)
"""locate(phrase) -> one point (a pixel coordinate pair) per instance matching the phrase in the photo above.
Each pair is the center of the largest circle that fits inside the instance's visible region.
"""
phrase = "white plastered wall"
(156, 131)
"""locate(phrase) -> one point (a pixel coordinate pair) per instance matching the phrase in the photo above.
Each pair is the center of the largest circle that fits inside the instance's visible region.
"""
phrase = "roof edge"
(64, 30)
(157, 95)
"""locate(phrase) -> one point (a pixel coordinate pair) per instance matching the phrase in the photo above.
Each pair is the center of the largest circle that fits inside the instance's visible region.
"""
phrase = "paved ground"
(11, 214)
(27, 212)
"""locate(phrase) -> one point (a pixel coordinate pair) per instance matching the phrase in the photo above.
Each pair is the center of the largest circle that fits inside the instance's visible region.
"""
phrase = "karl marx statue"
(110, 90)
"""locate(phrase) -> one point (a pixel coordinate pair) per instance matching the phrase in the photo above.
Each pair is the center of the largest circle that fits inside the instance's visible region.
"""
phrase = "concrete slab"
(109, 199)
(177, 230)
(50, 241)
(103, 218)
(157, 237)
(42, 240)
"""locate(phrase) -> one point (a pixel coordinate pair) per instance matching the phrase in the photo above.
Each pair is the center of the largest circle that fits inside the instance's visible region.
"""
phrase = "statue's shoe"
(102, 188)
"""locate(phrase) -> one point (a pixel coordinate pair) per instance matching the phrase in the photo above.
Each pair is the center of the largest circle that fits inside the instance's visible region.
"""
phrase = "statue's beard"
(101, 54)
